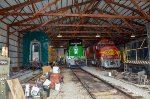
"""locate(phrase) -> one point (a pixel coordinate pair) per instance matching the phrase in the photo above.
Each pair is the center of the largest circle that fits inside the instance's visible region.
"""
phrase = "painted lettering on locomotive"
(104, 53)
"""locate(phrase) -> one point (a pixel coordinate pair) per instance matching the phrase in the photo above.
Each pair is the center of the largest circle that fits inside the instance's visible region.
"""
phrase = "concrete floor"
(70, 89)
(124, 85)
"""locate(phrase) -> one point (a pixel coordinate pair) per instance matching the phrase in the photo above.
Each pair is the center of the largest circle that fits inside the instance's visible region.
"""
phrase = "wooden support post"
(148, 36)
(18, 50)
(148, 42)
(7, 43)
(124, 59)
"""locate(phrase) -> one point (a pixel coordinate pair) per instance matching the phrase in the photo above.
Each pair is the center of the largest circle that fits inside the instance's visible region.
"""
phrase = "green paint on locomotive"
(76, 51)
(75, 48)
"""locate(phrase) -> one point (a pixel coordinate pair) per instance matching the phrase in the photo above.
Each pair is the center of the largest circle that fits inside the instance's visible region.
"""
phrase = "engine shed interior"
(108, 37)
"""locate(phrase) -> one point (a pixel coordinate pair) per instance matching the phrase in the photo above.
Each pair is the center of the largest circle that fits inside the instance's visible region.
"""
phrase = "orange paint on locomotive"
(108, 51)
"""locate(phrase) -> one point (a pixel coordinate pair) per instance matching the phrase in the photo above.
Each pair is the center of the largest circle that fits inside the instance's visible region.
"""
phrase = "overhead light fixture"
(61, 46)
(132, 35)
(59, 35)
(97, 35)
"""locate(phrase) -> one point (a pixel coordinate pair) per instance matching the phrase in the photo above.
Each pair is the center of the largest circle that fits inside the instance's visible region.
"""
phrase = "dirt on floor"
(70, 89)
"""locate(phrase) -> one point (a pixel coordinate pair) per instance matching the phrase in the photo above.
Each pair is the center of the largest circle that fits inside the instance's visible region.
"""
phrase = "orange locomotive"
(104, 53)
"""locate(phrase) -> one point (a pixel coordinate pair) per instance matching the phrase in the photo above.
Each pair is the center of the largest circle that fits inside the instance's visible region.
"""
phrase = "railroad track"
(32, 78)
(99, 89)
(24, 72)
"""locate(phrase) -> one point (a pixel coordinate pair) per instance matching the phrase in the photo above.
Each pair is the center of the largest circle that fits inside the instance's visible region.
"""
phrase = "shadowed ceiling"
(112, 19)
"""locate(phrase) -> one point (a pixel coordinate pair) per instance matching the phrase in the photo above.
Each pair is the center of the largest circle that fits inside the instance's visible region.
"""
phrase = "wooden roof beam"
(49, 30)
(81, 12)
(44, 24)
(121, 5)
(94, 32)
(119, 14)
(78, 25)
(93, 15)
(68, 17)
(18, 6)
(27, 29)
(113, 14)
(78, 7)
(53, 11)
(140, 9)
(47, 6)
(35, 26)
(79, 15)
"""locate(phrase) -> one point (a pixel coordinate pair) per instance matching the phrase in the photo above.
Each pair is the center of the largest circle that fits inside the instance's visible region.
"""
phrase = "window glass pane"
(134, 45)
(128, 55)
(145, 44)
(139, 44)
(146, 55)
(131, 55)
(128, 46)
(140, 54)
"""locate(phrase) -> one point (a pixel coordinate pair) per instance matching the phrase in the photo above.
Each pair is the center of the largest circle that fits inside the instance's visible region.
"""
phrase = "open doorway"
(35, 53)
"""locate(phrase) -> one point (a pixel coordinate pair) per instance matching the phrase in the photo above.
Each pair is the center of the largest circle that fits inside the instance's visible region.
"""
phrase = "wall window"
(137, 50)
(142, 54)
(131, 54)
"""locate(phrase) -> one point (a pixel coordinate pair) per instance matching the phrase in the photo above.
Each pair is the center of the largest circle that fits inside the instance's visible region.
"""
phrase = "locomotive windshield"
(103, 45)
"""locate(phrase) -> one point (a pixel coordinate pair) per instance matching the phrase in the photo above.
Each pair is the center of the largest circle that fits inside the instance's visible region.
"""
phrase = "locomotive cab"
(104, 53)
(108, 54)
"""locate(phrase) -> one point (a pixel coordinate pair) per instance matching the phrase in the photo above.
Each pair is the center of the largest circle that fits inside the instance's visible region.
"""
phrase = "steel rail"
(92, 96)
(125, 93)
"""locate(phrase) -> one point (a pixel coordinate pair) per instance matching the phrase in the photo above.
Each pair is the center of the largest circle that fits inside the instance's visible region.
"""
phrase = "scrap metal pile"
(136, 78)
(50, 79)
(38, 85)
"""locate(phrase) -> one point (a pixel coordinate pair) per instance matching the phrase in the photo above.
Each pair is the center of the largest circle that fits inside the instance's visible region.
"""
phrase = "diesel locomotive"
(104, 53)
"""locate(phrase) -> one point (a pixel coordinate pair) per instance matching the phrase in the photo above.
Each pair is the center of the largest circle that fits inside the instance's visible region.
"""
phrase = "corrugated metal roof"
(23, 15)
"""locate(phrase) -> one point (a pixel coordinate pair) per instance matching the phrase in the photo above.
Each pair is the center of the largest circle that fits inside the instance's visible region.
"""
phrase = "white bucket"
(55, 69)
(47, 82)
(109, 73)
(27, 90)
(34, 91)
(57, 87)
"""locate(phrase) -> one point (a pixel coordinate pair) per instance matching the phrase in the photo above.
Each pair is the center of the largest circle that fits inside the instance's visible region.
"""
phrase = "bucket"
(27, 90)
(57, 86)
(109, 73)
(55, 69)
